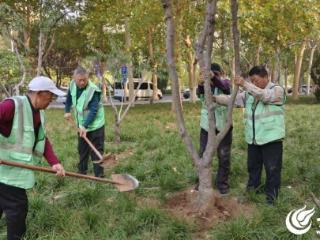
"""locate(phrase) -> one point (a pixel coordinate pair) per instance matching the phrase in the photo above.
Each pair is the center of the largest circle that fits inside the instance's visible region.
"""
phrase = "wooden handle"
(49, 170)
(93, 147)
(87, 140)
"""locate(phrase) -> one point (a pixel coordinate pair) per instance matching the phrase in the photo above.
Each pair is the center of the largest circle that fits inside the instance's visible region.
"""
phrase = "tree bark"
(206, 37)
(153, 66)
(258, 51)
(191, 70)
(40, 52)
(313, 49)
(117, 131)
(170, 44)
(130, 70)
(22, 68)
(297, 70)
(286, 79)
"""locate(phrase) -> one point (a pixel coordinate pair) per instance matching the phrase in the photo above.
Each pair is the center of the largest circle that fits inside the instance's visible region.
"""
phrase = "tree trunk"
(297, 71)
(205, 187)
(313, 49)
(191, 71)
(206, 38)
(117, 130)
(130, 70)
(22, 68)
(286, 79)
(257, 60)
(40, 52)
(6, 92)
(153, 66)
(154, 83)
(275, 73)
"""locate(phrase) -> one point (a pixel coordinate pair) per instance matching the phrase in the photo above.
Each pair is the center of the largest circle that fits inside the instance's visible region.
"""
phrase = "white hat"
(42, 83)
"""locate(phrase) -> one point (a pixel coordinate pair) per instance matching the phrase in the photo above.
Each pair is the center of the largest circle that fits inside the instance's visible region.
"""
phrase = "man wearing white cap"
(23, 139)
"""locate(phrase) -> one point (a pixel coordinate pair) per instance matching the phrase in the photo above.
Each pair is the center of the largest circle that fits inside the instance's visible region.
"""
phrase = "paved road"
(165, 99)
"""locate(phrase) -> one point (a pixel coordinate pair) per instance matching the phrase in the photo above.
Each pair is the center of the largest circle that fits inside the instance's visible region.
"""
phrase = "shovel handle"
(48, 170)
(87, 140)
(93, 147)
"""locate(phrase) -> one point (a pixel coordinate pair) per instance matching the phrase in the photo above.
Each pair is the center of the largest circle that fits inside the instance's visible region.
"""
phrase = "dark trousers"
(14, 204)
(269, 155)
(224, 153)
(97, 139)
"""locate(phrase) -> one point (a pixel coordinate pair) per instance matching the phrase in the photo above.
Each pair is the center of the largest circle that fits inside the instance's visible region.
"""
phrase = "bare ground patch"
(113, 159)
(223, 208)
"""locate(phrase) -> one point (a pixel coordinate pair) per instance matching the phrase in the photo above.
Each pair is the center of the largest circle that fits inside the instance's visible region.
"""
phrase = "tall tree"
(204, 51)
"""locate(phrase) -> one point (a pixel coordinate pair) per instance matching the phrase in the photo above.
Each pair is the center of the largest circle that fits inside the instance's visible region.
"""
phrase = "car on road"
(186, 93)
(143, 90)
(303, 89)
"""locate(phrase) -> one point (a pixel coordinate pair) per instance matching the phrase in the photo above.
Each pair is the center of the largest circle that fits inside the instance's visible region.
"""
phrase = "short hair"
(215, 67)
(261, 71)
(80, 71)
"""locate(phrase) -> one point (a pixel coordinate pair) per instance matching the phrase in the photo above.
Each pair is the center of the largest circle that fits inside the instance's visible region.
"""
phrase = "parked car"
(186, 93)
(303, 89)
(145, 90)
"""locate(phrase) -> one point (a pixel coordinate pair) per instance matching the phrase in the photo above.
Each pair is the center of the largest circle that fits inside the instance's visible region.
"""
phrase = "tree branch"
(170, 32)
(236, 45)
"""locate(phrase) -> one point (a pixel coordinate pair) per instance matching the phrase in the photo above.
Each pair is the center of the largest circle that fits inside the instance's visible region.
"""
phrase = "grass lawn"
(153, 152)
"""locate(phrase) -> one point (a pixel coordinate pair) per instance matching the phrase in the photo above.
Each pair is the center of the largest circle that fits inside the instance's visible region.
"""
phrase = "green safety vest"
(264, 122)
(81, 106)
(220, 114)
(21, 146)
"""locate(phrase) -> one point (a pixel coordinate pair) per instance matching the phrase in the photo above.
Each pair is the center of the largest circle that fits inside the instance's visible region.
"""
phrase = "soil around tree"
(223, 208)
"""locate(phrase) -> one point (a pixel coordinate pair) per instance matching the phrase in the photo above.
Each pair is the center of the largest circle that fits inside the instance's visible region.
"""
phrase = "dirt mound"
(223, 208)
(110, 160)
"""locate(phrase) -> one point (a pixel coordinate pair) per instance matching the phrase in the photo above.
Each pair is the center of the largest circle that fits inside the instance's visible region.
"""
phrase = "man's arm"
(7, 109)
(223, 99)
(49, 154)
(223, 85)
(52, 159)
(68, 103)
(274, 95)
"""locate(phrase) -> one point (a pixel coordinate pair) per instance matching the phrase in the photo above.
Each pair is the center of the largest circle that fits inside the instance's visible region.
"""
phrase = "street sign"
(124, 73)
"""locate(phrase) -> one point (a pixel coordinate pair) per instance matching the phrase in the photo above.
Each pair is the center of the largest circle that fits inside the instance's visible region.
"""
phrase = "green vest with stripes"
(220, 114)
(81, 110)
(264, 123)
(21, 146)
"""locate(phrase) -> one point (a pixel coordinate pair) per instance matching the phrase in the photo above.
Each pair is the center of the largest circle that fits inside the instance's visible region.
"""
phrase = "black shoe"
(82, 172)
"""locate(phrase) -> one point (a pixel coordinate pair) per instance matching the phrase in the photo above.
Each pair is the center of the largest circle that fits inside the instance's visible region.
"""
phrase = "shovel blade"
(107, 161)
(125, 182)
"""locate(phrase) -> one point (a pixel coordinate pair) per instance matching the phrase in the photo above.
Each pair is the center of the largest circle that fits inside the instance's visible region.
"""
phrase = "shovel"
(103, 160)
(123, 182)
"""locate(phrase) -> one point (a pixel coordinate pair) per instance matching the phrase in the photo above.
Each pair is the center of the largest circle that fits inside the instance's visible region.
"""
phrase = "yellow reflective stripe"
(263, 115)
(19, 136)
